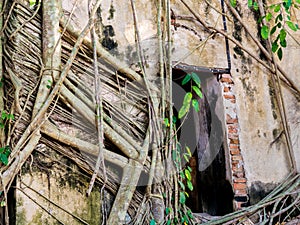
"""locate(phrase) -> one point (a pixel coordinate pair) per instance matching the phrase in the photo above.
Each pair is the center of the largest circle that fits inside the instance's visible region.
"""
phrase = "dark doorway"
(212, 192)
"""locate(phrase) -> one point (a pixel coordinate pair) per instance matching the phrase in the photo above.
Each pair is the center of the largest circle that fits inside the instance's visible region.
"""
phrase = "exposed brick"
(232, 126)
(235, 152)
(226, 80)
(240, 180)
(232, 130)
(226, 89)
(237, 168)
(230, 120)
(229, 96)
(233, 146)
(234, 141)
(239, 186)
(237, 158)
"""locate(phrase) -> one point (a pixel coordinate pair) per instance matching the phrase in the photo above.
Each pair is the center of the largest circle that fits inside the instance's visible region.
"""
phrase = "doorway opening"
(212, 193)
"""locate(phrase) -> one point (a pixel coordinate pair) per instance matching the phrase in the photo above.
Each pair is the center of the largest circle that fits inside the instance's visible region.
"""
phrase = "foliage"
(179, 154)
(4, 154)
(276, 23)
(195, 83)
(5, 117)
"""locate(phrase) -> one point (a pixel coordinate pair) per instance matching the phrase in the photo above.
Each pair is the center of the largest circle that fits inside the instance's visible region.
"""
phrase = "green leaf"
(169, 222)
(269, 16)
(3, 115)
(279, 17)
(264, 32)
(197, 91)
(183, 110)
(282, 35)
(279, 53)
(260, 19)
(188, 151)
(187, 174)
(279, 25)
(186, 105)
(181, 173)
(189, 168)
(187, 98)
(186, 194)
(277, 8)
(196, 79)
(186, 157)
(273, 30)
(190, 185)
(250, 3)
(186, 79)
(195, 104)
(168, 210)
(182, 197)
(255, 6)
(190, 214)
(174, 119)
(233, 3)
(152, 222)
(291, 25)
(166, 121)
(283, 43)
(298, 1)
(4, 159)
(274, 47)
(32, 3)
(2, 204)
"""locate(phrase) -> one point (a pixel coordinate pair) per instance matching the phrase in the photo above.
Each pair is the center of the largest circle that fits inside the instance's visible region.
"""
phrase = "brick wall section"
(239, 181)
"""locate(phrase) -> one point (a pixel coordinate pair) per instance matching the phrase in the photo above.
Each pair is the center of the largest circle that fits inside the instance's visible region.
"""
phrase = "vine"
(278, 20)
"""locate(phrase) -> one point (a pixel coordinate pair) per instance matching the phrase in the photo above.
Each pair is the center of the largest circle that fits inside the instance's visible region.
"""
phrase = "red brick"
(234, 141)
(235, 152)
(232, 126)
(239, 186)
(237, 157)
(232, 130)
(226, 80)
(226, 89)
(240, 180)
(232, 146)
(229, 96)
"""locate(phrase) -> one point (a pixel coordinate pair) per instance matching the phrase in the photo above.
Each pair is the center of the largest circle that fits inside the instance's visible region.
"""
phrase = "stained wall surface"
(263, 147)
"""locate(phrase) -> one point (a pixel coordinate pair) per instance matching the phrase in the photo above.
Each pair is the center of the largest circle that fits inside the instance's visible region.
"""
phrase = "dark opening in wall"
(204, 133)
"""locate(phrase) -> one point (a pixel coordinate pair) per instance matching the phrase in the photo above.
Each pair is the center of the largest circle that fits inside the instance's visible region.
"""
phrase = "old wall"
(265, 154)
(265, 163)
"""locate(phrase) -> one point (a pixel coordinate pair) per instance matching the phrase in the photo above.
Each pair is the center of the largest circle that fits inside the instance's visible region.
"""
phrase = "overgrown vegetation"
(50, 87)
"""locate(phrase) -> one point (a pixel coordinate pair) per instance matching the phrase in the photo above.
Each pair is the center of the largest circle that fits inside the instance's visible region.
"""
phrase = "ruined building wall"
(250, 110)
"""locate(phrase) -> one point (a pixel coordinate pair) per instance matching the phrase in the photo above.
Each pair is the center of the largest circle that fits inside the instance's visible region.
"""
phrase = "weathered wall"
(51, 189)
(265, 164)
